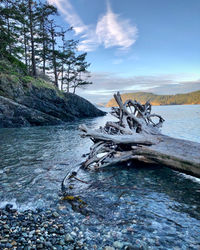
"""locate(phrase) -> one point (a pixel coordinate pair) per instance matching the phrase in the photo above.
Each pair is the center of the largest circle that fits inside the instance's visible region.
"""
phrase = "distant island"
(178, 99)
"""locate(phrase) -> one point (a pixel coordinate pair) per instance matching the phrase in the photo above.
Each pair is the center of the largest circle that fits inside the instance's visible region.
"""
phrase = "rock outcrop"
(25, 101)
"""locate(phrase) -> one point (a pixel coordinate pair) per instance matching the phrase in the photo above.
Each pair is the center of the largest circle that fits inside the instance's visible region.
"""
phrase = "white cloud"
(106, 84)
(110, 30)
(113, 31)
(65, 7)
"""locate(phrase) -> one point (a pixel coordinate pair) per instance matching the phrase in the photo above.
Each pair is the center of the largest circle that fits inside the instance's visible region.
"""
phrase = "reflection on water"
(180, 121)
(119, 187)
(33, 161)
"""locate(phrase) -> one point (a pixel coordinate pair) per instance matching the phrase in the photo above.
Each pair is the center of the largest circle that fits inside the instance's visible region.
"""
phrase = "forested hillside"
(29, 101)
(189, 98)
(30, 33)
(40, 67)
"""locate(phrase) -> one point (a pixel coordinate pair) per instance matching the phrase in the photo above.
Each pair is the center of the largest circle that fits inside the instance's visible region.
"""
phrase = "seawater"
(33, 162)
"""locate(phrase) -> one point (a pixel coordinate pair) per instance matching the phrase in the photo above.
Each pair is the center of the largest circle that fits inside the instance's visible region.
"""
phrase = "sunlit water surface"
(33, 162)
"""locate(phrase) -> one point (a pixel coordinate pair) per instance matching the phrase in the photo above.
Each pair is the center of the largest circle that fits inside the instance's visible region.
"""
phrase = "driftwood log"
(136, 136)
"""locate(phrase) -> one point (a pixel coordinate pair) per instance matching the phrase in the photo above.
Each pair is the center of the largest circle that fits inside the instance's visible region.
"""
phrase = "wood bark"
(136, 137)
(53, 34)
(34, 73)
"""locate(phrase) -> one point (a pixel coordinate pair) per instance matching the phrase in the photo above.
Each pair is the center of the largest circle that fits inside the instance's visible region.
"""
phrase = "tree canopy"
(28, 31)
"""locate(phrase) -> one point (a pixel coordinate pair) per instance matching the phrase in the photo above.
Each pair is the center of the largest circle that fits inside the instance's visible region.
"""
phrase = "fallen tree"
(136, 137)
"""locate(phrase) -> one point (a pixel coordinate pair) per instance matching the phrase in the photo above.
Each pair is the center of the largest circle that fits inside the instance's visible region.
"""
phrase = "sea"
(165, 203)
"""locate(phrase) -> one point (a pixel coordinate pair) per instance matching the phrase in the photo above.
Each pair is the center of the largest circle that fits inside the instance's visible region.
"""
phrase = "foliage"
(74, 67)
(10, 75)
(11, 65)
(28, 32)
(189, 98)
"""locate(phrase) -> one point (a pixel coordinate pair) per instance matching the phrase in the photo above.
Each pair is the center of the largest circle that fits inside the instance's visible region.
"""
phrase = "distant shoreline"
(191, 98)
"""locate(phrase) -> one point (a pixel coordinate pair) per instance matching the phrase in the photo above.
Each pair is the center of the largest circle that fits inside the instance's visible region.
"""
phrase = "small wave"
(186, 176)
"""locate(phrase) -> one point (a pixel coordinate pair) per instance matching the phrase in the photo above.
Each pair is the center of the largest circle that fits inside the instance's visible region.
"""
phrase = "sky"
(136, 45)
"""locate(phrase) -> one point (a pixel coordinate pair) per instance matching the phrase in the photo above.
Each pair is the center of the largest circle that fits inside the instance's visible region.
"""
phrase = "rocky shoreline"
(64, 229)
(26, 101)
(45, 229)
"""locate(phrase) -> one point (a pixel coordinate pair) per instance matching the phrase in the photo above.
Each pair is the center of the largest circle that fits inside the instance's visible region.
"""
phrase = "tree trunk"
(68, 81)
(25, 47)
(9, 36)
(44, 49)
(74, 90)
(53, 56)
(135, 137)
(34, 73)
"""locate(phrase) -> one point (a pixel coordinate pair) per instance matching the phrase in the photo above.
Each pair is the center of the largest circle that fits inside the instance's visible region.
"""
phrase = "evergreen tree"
(31, 10)
(75, 67)
(28, 32)
(44, 11)
(81, 73)
(24, 32)
(69, 63)
(53, 52)
(4, 38)
(9, 28)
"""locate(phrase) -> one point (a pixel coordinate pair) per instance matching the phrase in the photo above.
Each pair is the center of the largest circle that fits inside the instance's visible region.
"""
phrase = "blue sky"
(136, 45)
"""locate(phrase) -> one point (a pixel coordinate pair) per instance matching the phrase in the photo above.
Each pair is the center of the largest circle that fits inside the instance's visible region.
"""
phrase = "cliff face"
(25, 101)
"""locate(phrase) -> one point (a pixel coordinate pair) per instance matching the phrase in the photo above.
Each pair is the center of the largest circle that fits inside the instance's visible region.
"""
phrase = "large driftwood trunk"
(136, 137)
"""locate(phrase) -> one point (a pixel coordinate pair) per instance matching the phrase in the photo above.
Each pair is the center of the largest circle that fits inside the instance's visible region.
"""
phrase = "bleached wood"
(136, 137)
(119, 139)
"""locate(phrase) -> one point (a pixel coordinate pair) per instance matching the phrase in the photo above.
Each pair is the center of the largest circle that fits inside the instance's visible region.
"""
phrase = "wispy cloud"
(106, 84)
(111, 30)
(65, 7)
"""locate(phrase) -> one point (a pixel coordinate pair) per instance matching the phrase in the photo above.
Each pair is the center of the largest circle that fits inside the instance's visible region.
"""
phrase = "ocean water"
(33, 162)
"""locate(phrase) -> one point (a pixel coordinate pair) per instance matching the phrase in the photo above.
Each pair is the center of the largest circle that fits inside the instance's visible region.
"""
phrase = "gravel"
(65, 229)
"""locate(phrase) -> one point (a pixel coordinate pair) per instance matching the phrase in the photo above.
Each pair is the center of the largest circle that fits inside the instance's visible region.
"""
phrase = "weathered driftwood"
(136, 137)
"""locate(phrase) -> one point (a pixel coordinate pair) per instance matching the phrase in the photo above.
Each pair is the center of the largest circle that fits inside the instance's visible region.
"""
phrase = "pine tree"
(24, 31)
(28, 32)
(82, 74)
(31, 28)
(44, 11)
(53, 52)
(9, 28)
(63, 56)
(4, 38)
(69, 63)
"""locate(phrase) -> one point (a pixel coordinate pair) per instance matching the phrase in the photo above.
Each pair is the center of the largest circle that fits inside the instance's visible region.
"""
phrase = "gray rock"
(25, 104)
(22, 240)
(73, 234)
(6, 226)
(61, 242)
(8, 245)
(48, 244)
(118, 244)
(55, 214)
(68, 238)
(42, 239)
(40, 246)
(58, 247)
(109, 248)
(4, 241)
